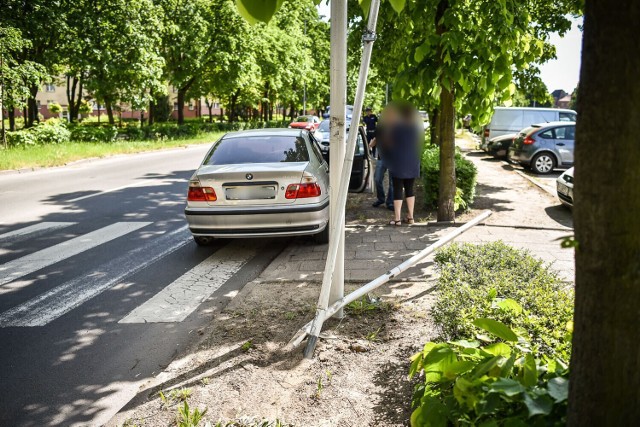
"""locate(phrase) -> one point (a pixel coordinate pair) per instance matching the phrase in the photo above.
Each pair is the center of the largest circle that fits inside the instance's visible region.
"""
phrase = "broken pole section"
(336, 236)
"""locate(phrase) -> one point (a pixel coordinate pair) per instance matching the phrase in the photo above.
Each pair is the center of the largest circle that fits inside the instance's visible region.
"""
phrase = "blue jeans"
(378, 177)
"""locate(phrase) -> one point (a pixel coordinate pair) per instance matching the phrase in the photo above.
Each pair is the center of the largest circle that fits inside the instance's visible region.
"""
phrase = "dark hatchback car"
(544, 147)
(499, 146)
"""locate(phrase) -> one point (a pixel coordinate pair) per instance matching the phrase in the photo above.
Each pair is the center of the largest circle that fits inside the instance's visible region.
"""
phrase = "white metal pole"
(381, 280)
(330, 292)
(338, 101)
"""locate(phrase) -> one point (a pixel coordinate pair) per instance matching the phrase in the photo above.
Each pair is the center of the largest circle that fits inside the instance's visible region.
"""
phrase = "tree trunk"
(181, 96)
(447, 188)
(151, 107)
(32, 107)
(433, 126)
(446, 135)
(12, 119)
(605, 361)
(109, 108)
(141, 118)
(74, 96)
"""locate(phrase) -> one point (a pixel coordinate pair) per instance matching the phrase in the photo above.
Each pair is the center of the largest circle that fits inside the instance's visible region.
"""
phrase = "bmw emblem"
(249, 176)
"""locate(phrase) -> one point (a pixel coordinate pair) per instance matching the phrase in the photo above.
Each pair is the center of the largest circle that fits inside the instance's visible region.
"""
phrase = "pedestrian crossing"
(174, 303)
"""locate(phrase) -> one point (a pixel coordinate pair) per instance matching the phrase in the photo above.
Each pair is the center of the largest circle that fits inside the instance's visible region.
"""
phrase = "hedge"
(466, 174)
(474, 278)
(55, 131)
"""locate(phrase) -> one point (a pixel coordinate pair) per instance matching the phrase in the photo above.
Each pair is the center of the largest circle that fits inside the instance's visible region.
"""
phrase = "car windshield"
(303, 119)
(324, 126)
(258, 149)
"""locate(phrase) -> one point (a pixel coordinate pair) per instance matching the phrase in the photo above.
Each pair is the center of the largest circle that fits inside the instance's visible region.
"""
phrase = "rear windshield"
(324, 126)
(303, 119)
(258, 149)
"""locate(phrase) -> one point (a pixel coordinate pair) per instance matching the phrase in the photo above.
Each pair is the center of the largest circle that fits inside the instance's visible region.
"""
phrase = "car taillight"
(486, 133)
(301, 191)
(201, 194)
(528, 140)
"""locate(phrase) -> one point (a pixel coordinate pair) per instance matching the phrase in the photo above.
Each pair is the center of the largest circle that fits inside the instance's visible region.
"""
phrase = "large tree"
(605, 361)
(41, 24)
(122, 57)
(17, 76)
(457, 55)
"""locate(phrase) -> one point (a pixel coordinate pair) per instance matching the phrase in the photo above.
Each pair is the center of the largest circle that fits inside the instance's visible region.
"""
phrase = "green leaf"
(258, 10)
(486, 366)
(465, 343)
(558, 389)
(529, 371)
(510, 305)
(496, 328)
(538, 405)
(457, 368)
(507, 386)
(430, 413)
(365, 5)
(498, 349)
(397, 5)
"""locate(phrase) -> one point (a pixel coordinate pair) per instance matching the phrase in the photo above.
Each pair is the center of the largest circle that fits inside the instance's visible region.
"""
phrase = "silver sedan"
(271, 182)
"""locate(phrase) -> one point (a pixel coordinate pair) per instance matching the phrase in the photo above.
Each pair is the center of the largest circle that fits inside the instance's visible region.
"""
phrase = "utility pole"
(338, 102)
(4, 136)
(304, 88)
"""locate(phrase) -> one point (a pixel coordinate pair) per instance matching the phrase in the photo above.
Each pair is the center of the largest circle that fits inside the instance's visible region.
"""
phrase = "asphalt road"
(101, 285)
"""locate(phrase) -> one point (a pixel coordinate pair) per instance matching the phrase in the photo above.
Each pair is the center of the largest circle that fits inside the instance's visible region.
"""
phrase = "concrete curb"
(535, 182)
(94, 159)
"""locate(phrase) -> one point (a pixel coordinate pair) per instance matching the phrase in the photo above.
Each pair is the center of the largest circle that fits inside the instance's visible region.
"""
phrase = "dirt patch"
(243, 369)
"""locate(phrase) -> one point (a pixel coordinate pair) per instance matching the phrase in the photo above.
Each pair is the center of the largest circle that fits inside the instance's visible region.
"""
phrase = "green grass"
(61, 154)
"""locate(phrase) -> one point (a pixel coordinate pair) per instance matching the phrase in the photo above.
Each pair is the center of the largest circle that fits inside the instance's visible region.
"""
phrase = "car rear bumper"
(234, 221)
(519, 157)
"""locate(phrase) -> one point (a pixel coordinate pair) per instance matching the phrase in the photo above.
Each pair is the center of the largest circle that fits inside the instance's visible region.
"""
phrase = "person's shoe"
(390, 207)
(377, 203)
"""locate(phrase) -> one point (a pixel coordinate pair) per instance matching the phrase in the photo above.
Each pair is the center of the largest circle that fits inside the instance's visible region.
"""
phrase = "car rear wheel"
(203, 240)
(543, 163)
(322, 238)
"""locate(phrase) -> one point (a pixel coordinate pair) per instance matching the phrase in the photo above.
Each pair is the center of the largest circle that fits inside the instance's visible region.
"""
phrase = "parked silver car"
(511, 119)
(564, 186)
(544, 147)
(271, 182)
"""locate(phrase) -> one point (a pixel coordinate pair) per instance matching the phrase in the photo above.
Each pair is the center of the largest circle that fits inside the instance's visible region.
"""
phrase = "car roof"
(264, 132)
(552, 124)
(563, 110)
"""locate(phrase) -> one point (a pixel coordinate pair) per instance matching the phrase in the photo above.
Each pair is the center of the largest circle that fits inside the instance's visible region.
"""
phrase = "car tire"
(543, 163)
(203, 240)
(322, 238)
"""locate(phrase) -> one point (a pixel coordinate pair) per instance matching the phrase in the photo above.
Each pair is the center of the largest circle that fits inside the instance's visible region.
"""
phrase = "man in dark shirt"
(377, 143)
(371, 122)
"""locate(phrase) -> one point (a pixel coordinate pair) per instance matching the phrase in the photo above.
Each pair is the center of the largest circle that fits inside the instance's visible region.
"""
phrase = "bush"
(505, 383)
(51, 132)
(20, 138)
(474, 279)
(466, 174)
(94, 133)
(54, 108)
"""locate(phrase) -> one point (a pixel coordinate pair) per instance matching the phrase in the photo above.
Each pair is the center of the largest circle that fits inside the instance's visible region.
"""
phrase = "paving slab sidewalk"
(523, 216)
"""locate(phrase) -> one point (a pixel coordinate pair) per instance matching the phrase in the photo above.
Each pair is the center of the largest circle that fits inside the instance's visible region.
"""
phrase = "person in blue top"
(402, 156)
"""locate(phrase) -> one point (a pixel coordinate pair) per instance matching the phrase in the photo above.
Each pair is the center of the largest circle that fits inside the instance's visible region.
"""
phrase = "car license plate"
(251, 192)
(564, 189)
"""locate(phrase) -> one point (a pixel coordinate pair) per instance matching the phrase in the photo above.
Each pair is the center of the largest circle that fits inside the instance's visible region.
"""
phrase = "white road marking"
(33, 230)
(147, 182)
(58, 301)
(33, 262)
(182, 297)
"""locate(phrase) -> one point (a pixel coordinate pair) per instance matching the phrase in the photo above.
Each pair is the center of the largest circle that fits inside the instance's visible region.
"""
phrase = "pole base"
(311, 346)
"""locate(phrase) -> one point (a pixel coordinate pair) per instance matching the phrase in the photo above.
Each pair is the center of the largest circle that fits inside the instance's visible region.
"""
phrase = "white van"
(508, 120)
